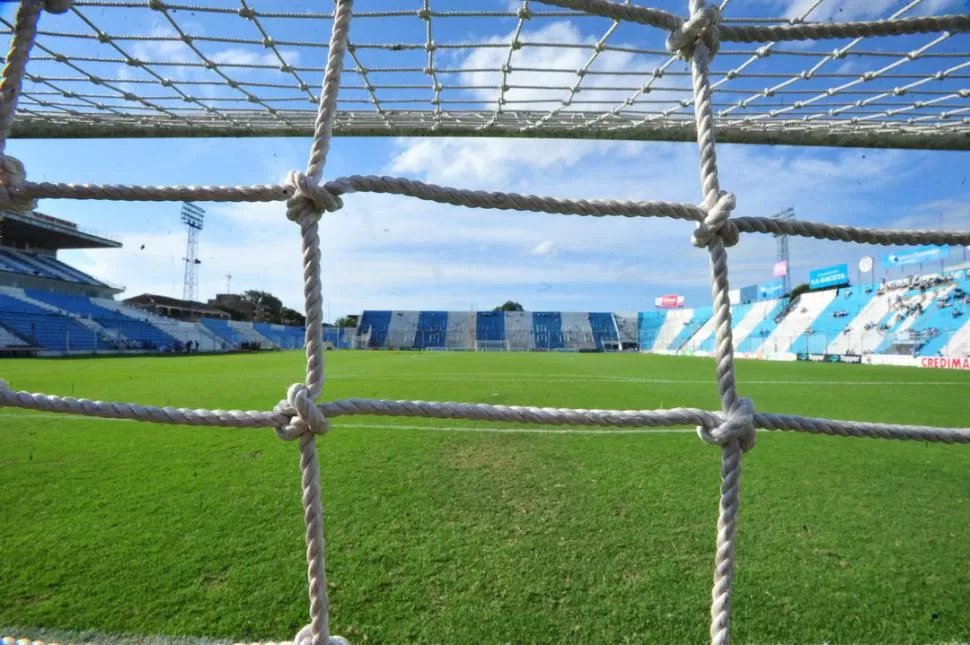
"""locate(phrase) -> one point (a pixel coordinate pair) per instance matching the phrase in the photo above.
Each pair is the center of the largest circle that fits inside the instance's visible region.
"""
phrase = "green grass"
(473, 537)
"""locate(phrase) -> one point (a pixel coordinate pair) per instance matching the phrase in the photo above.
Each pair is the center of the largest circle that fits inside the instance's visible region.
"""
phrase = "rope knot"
(739, 424)
(12, 176)
(57, 6)
(717, 222)
(304, 414)
(305, 637)
(308, 196)
(699, 28)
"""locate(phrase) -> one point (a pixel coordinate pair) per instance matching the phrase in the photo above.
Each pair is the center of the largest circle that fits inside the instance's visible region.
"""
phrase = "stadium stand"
(628, 329)
(799, 318)
(334, 337)
(432, 329)
(490, 330)
(47, 328)
(249, 334)
(706, 330)
(460, 333)
(9, 339)
(402, 329)
(672, 326)
(862, 334)
(547, 330)
(519, 331)
(832, 321)
(698, 319)
(375, 325)
(577, 333)
(138, 333)
(181, 330)
(605, 331)
(650, 324)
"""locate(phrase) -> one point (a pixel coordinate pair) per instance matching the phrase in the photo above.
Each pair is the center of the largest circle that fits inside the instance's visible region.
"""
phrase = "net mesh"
(157, 68)
(102, 104)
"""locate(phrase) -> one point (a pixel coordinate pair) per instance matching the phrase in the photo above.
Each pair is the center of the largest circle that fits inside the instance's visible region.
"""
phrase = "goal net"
(492, 345)
(906, 99)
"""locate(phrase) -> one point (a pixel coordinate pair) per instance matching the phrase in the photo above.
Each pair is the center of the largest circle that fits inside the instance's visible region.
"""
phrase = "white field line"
(542, 378)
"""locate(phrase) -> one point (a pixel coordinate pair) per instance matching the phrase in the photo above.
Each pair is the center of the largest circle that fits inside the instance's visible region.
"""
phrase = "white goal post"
(492, 346)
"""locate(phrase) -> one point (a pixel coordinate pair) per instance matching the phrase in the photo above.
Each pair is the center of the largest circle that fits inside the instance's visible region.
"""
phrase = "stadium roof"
(42, 231)
(467, 68)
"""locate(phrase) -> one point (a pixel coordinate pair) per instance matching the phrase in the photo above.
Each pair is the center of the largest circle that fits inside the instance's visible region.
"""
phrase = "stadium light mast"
(193, 218)
(787, 214)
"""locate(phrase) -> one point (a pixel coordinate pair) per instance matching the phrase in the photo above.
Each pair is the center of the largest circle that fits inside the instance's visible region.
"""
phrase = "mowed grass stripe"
(462, 537)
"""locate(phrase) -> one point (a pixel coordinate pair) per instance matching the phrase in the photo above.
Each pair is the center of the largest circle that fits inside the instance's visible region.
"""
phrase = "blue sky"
(393, 252)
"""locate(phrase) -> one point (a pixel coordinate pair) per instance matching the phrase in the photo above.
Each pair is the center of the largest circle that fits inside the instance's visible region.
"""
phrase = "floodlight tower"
(788, 213)
(193, 218)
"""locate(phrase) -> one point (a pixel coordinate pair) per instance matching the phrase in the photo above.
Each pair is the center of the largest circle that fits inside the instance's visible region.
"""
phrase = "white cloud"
(544, 249)
(845, 10)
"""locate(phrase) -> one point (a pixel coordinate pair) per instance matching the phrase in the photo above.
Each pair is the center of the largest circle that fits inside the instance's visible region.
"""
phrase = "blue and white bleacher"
(547, 330)
(144, 334)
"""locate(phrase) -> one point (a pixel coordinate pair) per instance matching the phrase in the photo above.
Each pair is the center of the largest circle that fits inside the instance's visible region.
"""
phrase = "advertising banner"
(669, 301)
(944, 362)
(851, 359)
(917, 255)
(833, 276)
(773, 289)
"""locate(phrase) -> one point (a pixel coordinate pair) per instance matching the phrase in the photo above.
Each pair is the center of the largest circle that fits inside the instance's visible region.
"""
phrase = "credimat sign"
(945, 363)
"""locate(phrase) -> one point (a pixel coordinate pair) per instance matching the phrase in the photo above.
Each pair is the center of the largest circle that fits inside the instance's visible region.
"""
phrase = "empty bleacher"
(10, 339)
(376, 325)
(650, 324)
(490, 329)
(577, 333)
(181, 330)
(547, 330)
(628, 329)
(460, 333)
(402, 329)
(142, 335)
(698, 319)
(519, 331)
(432, 329)
(672, 326)
(605, 330)
(46, 328)
(42, 265)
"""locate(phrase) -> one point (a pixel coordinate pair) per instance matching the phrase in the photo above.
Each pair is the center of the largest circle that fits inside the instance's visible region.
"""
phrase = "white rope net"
(926, 118)
(158, 68)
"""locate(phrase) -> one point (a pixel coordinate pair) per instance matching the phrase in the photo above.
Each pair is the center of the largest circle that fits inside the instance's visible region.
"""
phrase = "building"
(175, 308)
(237, 303)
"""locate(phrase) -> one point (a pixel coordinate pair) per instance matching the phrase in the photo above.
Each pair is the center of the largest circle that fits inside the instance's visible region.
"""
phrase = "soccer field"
(442, 531)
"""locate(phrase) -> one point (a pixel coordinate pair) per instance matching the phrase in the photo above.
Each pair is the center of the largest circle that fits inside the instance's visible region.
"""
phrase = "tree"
(799, 290)
(270, 303)
(348, 321)
(291, 317)
(510, 305)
